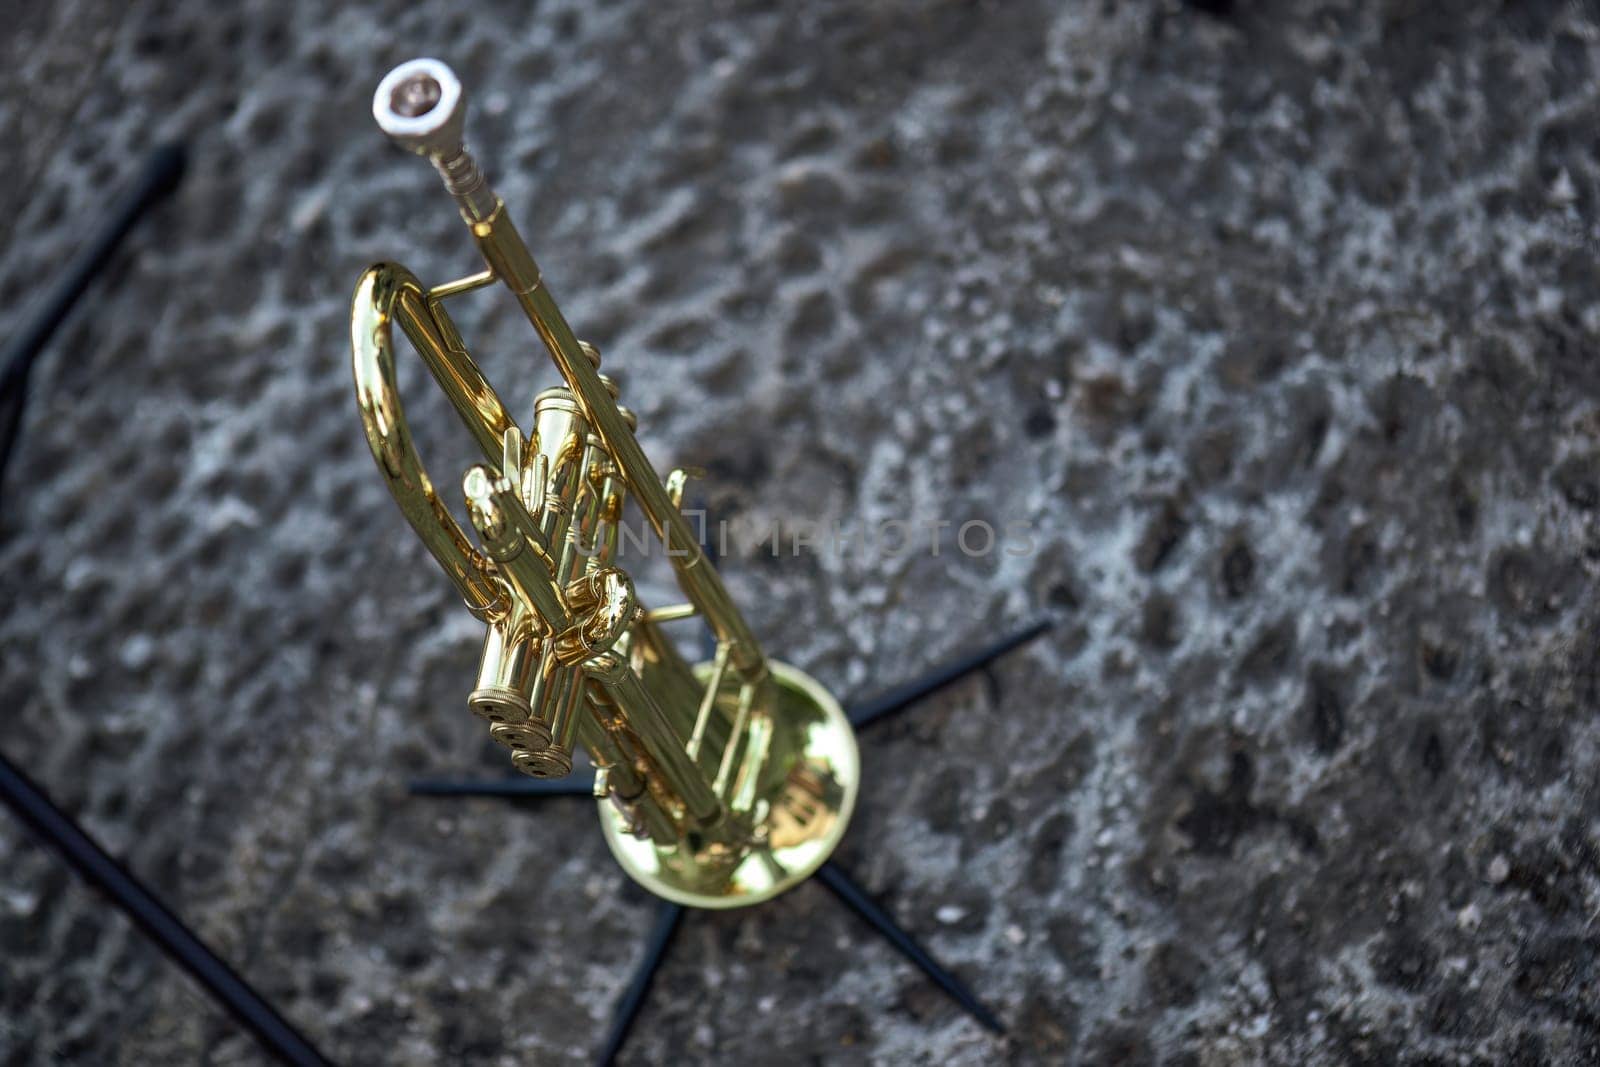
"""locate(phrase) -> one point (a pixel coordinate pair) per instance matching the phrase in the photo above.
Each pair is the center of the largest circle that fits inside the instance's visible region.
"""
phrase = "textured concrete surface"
(1280, 328)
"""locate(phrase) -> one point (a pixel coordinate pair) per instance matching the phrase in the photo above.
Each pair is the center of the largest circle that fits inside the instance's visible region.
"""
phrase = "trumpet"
(719, 784)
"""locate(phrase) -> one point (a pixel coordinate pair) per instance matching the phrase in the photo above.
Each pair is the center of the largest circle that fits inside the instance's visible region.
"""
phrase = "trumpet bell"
(806, 793)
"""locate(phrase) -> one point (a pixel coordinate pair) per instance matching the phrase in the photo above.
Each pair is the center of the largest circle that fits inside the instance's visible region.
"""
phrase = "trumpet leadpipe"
(503, 249)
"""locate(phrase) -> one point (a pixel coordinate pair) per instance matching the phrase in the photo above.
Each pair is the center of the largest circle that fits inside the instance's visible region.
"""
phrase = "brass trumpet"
(720, 784)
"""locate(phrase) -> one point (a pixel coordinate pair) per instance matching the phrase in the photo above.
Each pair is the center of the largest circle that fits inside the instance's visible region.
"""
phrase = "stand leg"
(160, 175)
(668, 915)
(902, 696)
(856, 898)
(573, 785)
(153, 918)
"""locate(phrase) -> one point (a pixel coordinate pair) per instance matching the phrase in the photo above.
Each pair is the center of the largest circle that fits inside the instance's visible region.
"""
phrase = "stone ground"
(1277, 327)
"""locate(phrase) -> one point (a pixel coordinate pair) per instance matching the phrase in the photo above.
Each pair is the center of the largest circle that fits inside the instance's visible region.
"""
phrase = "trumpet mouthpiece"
(422, 107)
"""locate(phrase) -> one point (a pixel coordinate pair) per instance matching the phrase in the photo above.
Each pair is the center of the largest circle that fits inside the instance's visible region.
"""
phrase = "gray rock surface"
(1278, 328)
